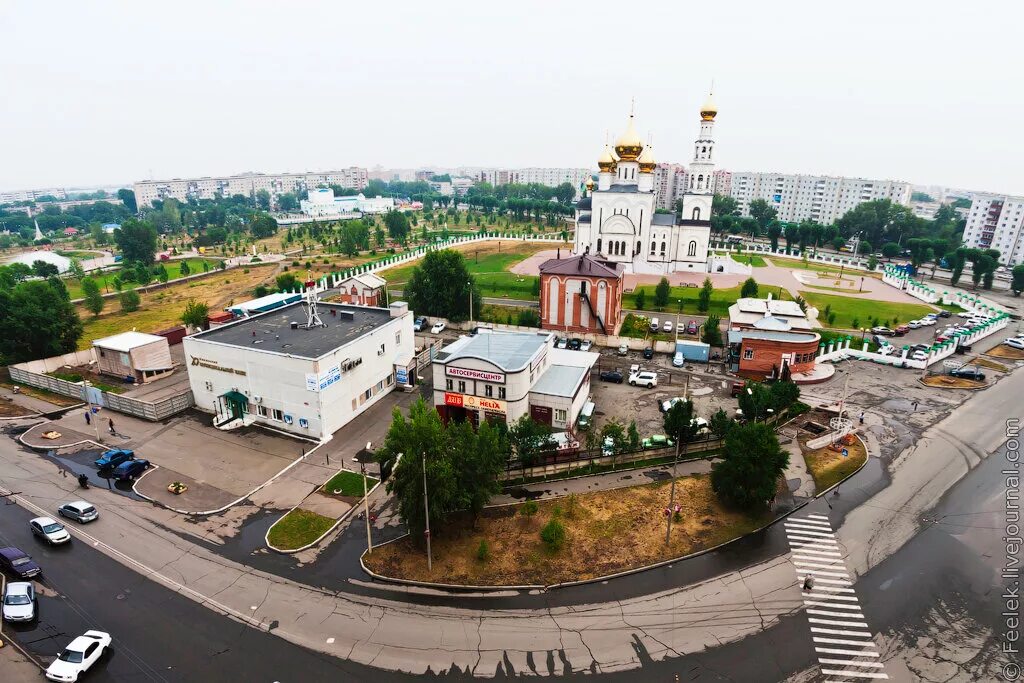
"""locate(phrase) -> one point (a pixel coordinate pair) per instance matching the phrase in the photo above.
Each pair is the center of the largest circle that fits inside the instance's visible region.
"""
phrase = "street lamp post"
(92, 416)
(469, 286)
(426, 511)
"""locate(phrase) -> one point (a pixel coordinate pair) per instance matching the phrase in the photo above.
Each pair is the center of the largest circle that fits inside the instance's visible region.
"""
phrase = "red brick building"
(580, 294)
(768, 335)
(364, 289)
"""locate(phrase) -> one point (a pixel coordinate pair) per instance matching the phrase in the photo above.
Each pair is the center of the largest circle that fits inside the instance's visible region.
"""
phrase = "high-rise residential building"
(248, 184)
(31, 195)
(997, 222)
(552, 177)
(822, 199)
(671, 181)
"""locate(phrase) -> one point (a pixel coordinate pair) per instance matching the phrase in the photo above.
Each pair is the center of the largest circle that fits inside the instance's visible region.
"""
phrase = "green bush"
(483, 552)
(529, 508)
(130, 301)
(553, 535)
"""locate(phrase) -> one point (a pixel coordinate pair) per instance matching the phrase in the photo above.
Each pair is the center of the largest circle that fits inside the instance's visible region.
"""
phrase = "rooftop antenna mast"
(312, 316)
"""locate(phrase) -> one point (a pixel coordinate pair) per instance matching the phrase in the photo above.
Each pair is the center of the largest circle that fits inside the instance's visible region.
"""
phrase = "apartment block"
(822, 199)
(248, 184)
(997, 222)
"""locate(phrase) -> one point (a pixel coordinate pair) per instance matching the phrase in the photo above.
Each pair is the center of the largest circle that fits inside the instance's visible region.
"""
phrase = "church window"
(662, 248)
(598, 245)
(696, 213)
(700, 181)
(637, 248)
(654, 248)
(692, 251)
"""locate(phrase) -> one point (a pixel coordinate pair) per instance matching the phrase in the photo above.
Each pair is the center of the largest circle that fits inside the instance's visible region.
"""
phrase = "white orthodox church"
(617, 219)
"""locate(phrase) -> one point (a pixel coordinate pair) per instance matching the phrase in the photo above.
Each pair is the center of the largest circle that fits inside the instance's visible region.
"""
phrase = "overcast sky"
(105, 92)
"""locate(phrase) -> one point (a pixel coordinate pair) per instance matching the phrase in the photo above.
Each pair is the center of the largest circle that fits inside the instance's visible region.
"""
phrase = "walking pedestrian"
(915, 406)
(88, 417)
(862, 417)
(808, 583)
(110, 426)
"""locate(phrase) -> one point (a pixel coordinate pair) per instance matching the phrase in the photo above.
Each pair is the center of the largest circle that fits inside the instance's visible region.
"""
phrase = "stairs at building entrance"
(593, 311)
(227, 423)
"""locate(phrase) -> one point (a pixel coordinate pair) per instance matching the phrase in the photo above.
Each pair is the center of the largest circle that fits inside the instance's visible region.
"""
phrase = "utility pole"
(92, 416)
(426, 510)
(672, 494)
(469, 285)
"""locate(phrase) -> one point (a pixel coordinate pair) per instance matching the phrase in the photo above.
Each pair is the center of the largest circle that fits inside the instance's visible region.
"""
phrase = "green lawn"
(721, 299)
(798, 264)
(298, 528)
(854, 313)
(106, 279)
(508, 285)
(754, 260)
(346, 483)
(79, 254)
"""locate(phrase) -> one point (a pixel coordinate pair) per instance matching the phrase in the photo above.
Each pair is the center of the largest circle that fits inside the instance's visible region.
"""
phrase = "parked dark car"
(968, 373)
(611, 376)
(944, 314)
(130, 469)
(648, 353)
(18, 563)
(902, 330)
(575, 344)
(885, 331)
(420, 324)
(692, 327)
(736, 389)
(114, 457)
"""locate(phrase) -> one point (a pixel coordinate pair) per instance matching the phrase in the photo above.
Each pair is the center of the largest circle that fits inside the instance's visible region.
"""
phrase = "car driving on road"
(79, 510)
(79, 655)
(19, 601)
(18, 563)
(50, 530)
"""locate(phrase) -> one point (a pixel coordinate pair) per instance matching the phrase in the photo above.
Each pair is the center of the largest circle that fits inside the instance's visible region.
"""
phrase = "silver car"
(50, 530)
(19, 602)
(79, 510)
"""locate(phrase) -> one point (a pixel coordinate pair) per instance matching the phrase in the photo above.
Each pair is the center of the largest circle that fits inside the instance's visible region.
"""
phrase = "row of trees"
(38, 320)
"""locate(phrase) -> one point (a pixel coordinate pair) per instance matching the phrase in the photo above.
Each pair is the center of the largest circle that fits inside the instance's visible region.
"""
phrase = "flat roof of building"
(126, 341)
(510, 351)
(737, 336)
(271, 332)
(560, 380)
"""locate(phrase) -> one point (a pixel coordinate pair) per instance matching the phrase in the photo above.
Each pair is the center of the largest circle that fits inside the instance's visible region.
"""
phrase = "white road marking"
(330, 641)
(830, 601)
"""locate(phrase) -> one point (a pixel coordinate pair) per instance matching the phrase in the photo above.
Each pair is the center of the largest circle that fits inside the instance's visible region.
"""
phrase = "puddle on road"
(520, 493)
(81, 462)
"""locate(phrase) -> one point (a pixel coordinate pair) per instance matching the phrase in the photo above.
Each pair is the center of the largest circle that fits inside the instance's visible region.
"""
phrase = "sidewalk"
(14, 667)
(557, 488)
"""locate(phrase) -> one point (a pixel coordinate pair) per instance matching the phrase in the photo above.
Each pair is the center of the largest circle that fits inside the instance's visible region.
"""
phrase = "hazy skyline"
(112, 92)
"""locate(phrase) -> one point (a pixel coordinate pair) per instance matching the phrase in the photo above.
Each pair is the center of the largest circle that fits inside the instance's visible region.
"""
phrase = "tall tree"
(398, 226)
(127, 198)
(38, 321)
(263, 200)
(442, 286)
(763, 213)
(94, 300)
(528, 440)
(712, 334)
(263, 225)
(752, 462)
(749, 288)
(704, 297)
(1017, 281)
(195, 314)
(137, 241)
(774, 232)
(661, 293)
(724, 205)
(478, 458)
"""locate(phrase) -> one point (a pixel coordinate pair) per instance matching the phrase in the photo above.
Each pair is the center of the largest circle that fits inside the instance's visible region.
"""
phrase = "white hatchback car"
(914, 324)
(1015, 342)
(438, 327)
(80, 654)
(19, 601)
(668, 326)
(50, 530)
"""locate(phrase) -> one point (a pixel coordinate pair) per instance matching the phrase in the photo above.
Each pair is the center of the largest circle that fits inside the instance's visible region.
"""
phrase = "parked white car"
(80, 654)
(927, 321)
(668, 326)
(586, 345)
(19, 601)
(887, 350)
(50, 530)
(919, 355)
(644, 379)
(438, 327)
(1015, 342)
(914, 324)
(678, 360)
(654, 325)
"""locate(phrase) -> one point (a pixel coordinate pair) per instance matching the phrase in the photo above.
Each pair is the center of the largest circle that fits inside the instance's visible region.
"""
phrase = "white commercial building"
(501, 376)
(617, 220)
(822, 199)
(278, 370)
(323, 204)
(997, 222)
(248, 184)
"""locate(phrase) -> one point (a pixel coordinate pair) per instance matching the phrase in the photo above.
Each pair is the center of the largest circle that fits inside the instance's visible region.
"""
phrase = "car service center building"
(501, 376)
(272, 369)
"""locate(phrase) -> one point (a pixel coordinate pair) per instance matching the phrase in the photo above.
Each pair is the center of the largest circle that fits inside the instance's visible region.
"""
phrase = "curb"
(337, 522)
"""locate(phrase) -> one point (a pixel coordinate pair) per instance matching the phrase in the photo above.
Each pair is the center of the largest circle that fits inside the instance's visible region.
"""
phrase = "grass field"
(721, 299)
(162, 308)
(605, 532)
(854, 313)
(798, 264)
(349, 484)
(754, 260)
(298, 528)
(106, 279)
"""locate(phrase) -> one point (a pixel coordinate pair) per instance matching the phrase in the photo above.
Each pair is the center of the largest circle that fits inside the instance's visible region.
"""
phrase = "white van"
(654, 324)
(586, 414)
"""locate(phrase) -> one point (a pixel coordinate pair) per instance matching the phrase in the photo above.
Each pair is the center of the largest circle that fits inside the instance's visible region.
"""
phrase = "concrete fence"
(623, 459)
(35, 373)
(766, 250)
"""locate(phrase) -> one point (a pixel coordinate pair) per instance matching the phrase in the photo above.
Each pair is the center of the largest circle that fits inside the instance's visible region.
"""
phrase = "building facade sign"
(474, 402)
(320, 382)
(214, 365)
(481, 375)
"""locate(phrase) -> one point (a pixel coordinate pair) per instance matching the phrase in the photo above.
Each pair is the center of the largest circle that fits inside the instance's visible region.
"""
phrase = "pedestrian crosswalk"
(842, 640)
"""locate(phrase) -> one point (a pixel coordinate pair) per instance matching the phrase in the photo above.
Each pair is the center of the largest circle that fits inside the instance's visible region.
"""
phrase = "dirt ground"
(828, 466)
(949, 382)
(606, 532)
(1007, 352)
(10, 409)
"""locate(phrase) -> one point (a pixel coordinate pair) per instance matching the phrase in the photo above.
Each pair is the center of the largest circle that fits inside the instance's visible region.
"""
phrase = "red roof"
(70, 231)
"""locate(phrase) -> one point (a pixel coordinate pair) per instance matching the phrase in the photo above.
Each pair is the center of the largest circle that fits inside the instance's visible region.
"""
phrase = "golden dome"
(709, 108)
(646, 159)
(606, 162)
(590, 182)
(629, 145)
